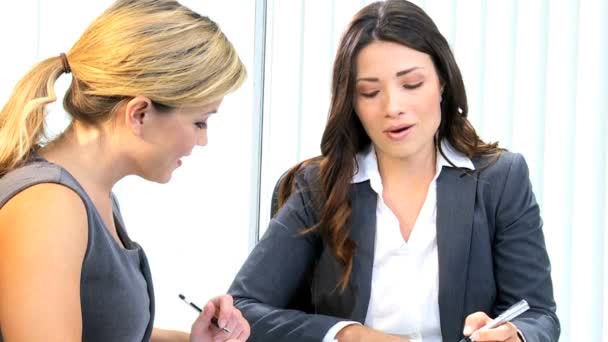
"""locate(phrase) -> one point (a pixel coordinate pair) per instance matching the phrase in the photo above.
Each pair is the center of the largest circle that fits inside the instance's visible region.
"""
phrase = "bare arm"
(360, 333)
(43, 239)
(162, 335)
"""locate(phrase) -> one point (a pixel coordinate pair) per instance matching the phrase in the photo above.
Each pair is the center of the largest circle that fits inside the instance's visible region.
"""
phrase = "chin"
(408, 150)
(161, 179)
(398, 152)
(164, 179)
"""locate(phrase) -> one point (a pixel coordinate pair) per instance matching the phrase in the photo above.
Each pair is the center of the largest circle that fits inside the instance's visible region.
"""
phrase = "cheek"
(437, 113)
(366, 114)
(186, 142)
(189, 143)
(431, 109)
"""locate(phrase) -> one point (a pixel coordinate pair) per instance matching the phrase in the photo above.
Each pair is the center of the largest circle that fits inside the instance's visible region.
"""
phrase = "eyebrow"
(397, 74)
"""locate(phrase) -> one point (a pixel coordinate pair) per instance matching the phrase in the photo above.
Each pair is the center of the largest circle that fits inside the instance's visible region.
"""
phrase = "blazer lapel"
(363, 232)
(455, 206)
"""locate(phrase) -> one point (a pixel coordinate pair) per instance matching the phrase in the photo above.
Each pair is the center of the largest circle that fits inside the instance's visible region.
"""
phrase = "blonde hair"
(155, 48)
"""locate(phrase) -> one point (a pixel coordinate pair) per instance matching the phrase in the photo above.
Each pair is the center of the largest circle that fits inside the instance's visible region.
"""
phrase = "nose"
(202, 138)
(393, 105)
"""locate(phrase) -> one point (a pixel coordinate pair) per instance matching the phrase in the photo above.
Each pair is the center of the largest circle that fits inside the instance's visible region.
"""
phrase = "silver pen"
(512, 312)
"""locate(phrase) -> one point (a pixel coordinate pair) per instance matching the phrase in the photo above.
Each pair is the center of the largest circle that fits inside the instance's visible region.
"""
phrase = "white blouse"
(405, 275)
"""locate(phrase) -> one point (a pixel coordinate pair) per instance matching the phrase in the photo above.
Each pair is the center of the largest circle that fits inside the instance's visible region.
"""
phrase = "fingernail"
(475, 336)
(467, 330)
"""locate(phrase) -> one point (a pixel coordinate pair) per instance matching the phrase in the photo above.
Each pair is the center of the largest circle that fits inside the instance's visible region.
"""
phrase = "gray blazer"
(491, 254)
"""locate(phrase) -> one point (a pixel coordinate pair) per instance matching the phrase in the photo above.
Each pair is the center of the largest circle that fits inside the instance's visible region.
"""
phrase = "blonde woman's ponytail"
(22, 118)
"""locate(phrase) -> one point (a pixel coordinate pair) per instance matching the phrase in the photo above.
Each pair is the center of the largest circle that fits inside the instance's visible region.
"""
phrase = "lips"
(398, 132)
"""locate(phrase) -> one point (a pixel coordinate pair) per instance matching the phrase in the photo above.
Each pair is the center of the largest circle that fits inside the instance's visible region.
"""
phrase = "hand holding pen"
(479, 327)
(219, 320)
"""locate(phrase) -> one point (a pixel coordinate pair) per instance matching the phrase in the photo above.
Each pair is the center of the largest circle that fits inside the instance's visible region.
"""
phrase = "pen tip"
(181, 296)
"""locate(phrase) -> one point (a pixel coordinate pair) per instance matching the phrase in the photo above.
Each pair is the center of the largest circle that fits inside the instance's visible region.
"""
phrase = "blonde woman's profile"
(146, 76)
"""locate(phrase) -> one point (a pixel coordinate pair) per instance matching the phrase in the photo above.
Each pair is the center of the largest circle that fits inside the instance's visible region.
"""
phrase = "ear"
(137, 111)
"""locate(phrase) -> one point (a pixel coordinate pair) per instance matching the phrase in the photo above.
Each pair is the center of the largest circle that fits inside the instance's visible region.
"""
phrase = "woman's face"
(168, 137)
(397, 99)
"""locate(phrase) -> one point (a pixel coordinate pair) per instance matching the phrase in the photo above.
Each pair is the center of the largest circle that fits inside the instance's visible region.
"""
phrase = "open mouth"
(399, 132)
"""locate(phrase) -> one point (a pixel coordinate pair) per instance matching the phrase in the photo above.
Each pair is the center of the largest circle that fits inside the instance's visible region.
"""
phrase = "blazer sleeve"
(274, 271)
(521, 263)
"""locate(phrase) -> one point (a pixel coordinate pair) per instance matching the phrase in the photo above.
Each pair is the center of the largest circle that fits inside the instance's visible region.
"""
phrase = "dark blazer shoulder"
(492, 166)
(309, 176)
(494, 172)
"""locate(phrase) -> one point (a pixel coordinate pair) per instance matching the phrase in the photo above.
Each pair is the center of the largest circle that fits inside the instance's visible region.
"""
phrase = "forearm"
(360, 333)
(272, 324)
(162, 335)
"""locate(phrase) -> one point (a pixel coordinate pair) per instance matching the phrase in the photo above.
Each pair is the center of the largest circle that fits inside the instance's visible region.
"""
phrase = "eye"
(412, 86)
(200, 125)
(370, 94)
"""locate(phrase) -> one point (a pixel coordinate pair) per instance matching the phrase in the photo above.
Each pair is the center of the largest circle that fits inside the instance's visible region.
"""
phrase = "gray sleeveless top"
(116, 293)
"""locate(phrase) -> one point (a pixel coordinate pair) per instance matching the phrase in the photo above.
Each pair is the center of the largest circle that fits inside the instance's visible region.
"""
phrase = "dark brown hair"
(401, 22)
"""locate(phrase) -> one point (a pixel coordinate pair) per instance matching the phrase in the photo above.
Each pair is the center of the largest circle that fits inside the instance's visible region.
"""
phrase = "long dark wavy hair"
(401, 22)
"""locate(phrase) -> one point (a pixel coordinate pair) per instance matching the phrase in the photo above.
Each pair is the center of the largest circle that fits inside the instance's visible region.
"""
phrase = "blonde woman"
(147, 74)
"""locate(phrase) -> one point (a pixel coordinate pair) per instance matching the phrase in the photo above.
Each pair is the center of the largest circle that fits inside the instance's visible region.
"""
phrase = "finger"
(243, 326)
(225, 304)
(243, 336)
(223, 338)
(237, 326)
(234, 324)
(236, 332)
(502, 333)
(203, 320)
(475, 321)
(246, 329)
(513, 339)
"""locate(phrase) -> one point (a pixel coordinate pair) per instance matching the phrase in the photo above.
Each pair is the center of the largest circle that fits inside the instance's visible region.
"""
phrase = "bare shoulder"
(43, 241)
(44, 217)
(44, 205)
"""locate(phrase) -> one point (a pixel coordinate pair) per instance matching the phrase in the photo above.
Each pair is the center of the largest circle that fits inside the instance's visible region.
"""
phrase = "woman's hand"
(356, 333)
(506, 332)
(227, 317)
